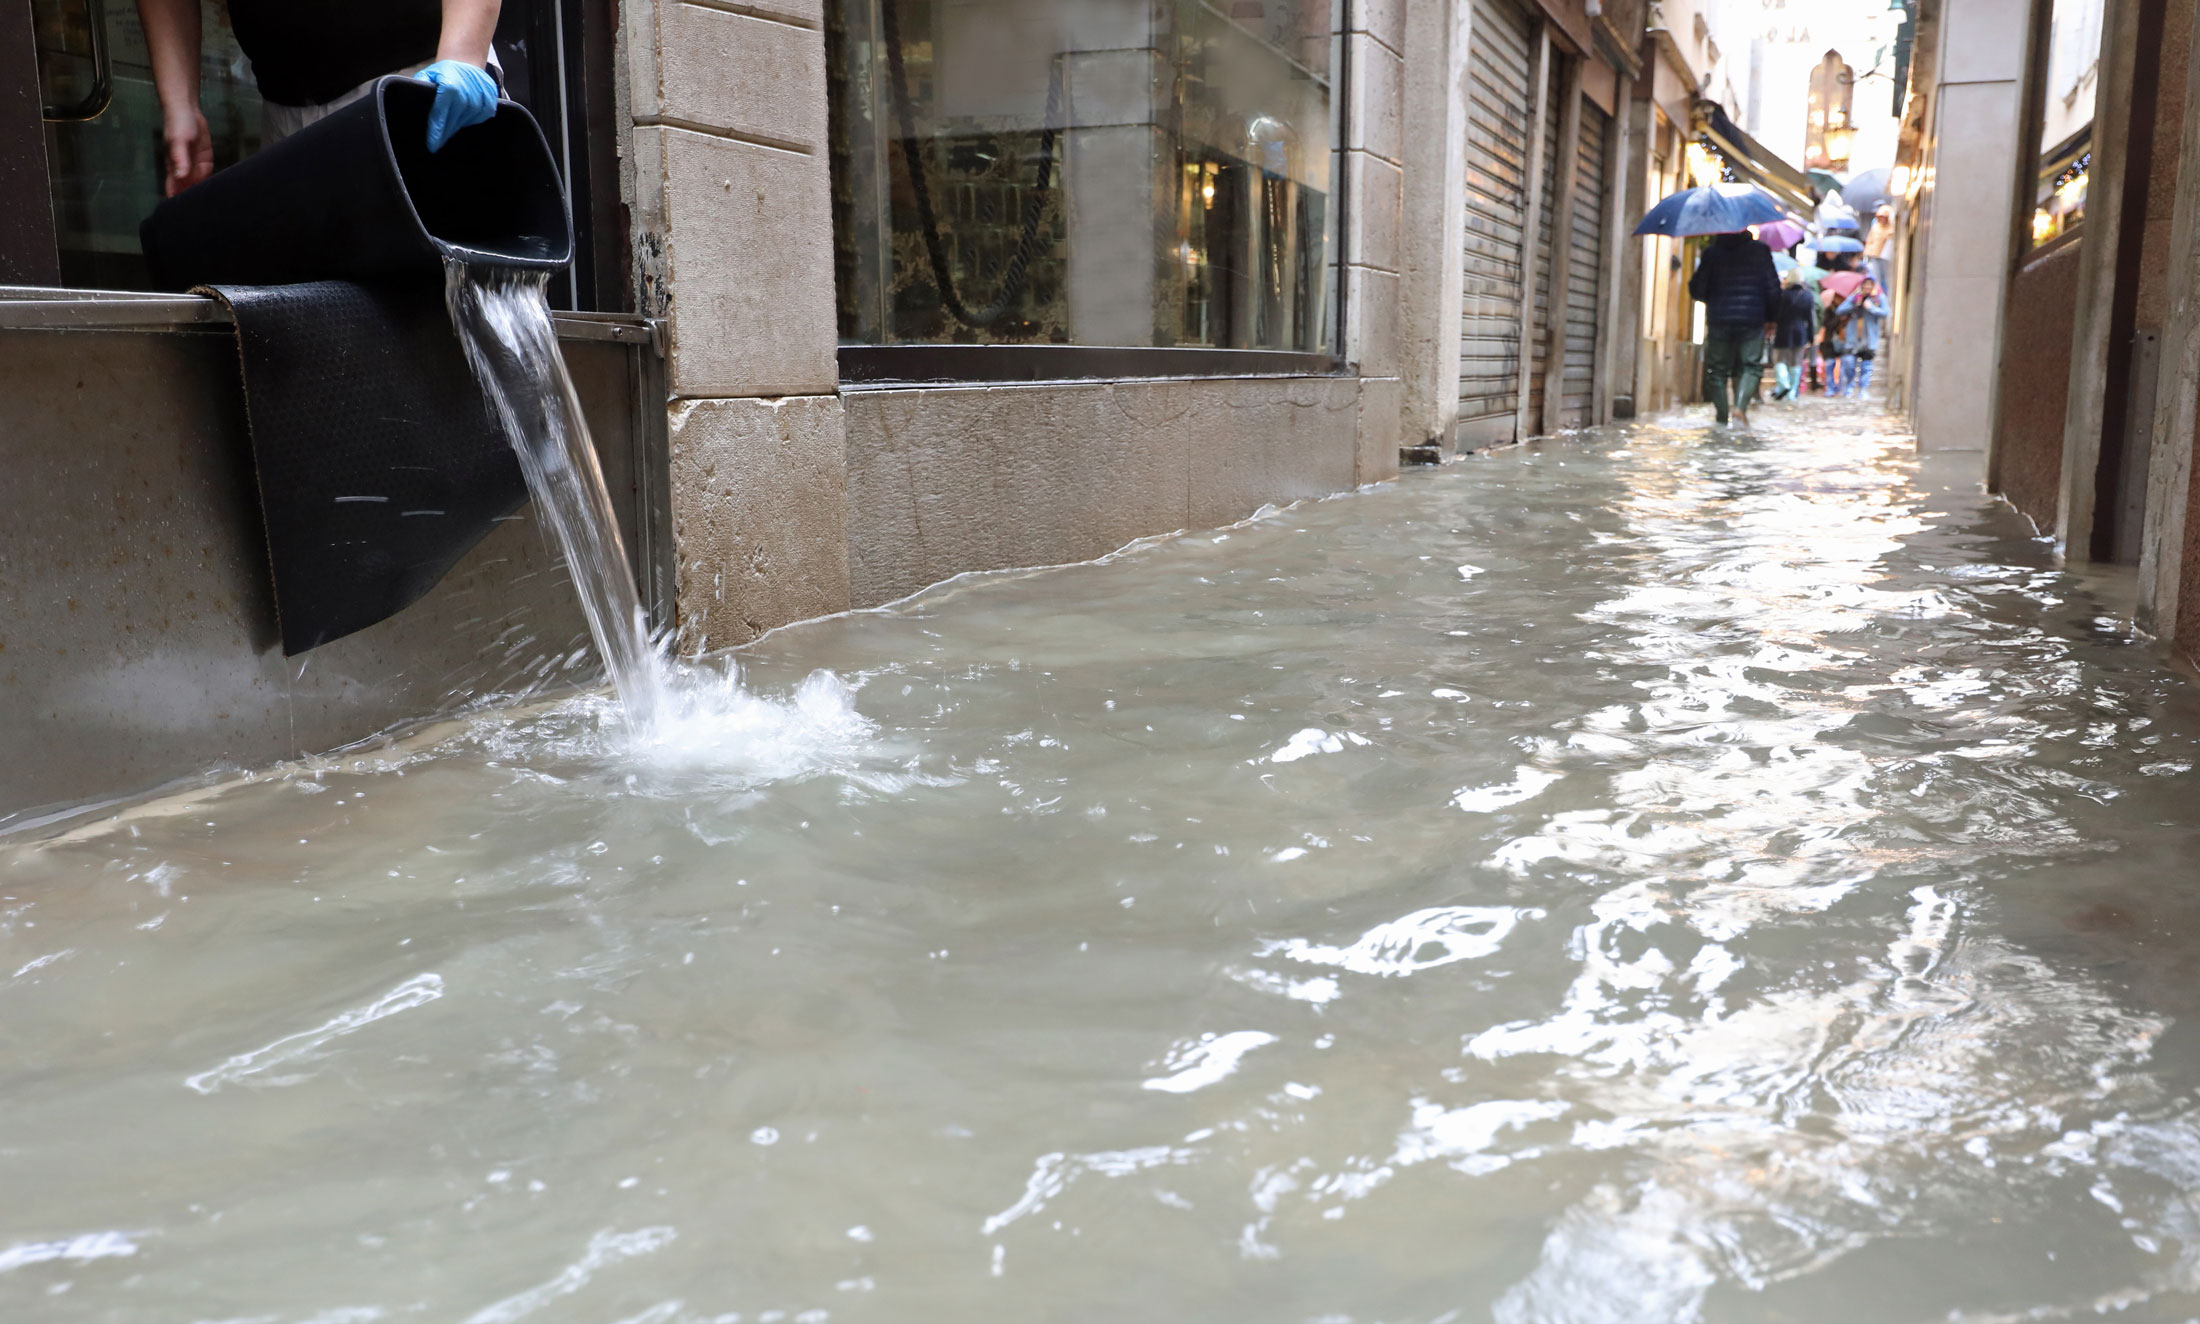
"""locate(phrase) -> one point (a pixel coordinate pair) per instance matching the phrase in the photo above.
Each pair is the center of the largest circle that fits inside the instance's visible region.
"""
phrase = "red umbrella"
(1843, 283)
(1779, 235)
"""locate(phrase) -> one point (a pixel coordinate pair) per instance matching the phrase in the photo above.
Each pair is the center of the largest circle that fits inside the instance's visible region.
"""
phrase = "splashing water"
(503, 322)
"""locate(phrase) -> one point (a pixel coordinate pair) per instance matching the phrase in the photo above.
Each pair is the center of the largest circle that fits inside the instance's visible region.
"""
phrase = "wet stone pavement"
(1650, 875)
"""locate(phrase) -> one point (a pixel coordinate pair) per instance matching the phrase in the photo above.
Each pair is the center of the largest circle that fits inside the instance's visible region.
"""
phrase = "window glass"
(2071, 70)
(105, 153)
(1095, 172)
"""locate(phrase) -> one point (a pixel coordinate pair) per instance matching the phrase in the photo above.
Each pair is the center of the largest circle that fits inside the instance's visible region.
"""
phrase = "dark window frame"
(865, 366)
(570, 53)
(872, 366)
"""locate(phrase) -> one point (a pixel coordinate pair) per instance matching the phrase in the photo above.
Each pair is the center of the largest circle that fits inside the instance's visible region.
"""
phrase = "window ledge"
(884, 366)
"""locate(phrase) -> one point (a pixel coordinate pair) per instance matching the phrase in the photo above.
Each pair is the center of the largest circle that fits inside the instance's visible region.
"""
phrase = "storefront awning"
(1749, 160)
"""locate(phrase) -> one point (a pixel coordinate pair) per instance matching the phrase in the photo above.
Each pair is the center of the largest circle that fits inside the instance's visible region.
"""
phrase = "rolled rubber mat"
(378, 462)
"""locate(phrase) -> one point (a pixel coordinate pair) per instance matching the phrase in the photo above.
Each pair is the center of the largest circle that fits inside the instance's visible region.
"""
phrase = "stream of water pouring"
(503, 321)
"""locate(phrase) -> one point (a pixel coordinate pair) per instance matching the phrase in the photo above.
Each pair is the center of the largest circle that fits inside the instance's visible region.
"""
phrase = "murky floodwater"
(1650, 877)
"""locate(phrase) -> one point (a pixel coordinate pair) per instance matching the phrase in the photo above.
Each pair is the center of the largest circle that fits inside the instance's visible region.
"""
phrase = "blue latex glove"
(465, 95)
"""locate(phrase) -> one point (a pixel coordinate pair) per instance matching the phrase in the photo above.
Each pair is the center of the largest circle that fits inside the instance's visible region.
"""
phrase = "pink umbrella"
(1779, 235)
(1843, 283)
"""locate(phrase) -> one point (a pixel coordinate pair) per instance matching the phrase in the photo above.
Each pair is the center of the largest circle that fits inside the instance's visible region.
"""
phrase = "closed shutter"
(1584, 279)
(1546, 231)
(1500, 67)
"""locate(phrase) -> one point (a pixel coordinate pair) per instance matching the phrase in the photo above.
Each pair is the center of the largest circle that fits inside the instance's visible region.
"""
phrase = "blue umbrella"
(1839, 243)
(1847, 223)
(1714, 209)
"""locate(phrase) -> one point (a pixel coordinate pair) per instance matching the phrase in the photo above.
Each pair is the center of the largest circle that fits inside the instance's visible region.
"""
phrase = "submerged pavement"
(1649, 875)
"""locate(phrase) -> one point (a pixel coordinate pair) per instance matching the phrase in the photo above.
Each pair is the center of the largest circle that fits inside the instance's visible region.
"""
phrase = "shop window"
(2069, 72)
(1130, 173)
(103, 128)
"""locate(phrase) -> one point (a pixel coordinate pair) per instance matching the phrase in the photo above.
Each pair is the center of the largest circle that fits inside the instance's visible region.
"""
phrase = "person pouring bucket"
(312, 57)
(1735, 281)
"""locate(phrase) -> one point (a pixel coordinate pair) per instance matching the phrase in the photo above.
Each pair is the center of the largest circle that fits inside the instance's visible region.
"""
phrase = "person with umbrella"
(1735, 281)
(1860, 316)
(1839, 250)
(1740, 291)
(1832, 370)
(1877, 243)
(1798, 326)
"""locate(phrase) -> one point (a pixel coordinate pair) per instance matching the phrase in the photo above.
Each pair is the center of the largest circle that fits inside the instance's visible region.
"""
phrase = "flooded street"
(1648, 876)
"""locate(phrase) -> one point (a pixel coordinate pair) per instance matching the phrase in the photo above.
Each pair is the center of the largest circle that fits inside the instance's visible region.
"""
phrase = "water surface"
(1650, 876)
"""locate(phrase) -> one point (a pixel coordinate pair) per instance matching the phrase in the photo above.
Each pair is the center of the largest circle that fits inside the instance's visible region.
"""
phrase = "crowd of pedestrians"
(1820, 325)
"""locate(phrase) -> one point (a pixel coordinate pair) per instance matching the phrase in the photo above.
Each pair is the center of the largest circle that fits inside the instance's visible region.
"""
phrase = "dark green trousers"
(1737, 356)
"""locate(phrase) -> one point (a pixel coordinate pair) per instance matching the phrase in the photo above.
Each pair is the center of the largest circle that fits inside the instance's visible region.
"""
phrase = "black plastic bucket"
(358, 196)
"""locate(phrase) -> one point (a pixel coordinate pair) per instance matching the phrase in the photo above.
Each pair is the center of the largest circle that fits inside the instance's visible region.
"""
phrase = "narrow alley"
(1653, 874)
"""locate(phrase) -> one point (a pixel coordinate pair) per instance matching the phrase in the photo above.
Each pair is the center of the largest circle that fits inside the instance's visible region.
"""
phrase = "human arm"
(465, 94)
(1699, 284)
(172, 43)
(468, 26)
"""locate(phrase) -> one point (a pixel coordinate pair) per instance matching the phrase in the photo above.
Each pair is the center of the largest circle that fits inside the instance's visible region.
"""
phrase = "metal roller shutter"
(1546, 228)
(1584, 279)
(1500, 64)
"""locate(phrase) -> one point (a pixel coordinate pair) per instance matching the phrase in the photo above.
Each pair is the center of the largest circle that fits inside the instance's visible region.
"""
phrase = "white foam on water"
(412, 993)
(1209, 1059)
(1437, 936)
(81, 1249)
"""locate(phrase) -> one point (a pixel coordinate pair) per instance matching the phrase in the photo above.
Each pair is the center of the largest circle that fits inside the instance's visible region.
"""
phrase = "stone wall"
(2035, 382)
(943, 481)
(792, 500)
(731, 223)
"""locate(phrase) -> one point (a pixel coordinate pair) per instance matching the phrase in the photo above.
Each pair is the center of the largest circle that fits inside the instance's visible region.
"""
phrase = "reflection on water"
(1651, 877)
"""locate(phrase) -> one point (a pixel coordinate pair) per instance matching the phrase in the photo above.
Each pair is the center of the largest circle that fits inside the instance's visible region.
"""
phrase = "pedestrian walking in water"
(1829, 341)
(1739, 288)
(1798, 326)
(1862, 316)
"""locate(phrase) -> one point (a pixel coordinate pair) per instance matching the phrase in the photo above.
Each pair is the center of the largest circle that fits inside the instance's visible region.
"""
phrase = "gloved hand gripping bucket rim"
(358, 196)
(377, 459)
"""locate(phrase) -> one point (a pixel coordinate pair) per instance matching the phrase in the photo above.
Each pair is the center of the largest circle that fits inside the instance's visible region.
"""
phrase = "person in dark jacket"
(1798, 323)
(1739, 288)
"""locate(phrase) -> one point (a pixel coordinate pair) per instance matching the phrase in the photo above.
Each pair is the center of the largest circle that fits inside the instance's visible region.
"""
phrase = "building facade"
(904, 289)
(2051, 159)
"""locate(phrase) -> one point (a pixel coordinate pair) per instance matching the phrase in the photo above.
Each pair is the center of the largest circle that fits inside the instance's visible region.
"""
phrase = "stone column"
(1375, 196)
(1433, 223)
(732, 231)
(1978, 132)
(2104, 249)
(2169, 564)
(1627, 190)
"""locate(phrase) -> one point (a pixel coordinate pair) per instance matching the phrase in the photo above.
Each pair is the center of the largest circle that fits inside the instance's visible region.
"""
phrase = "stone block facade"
(792, 498)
